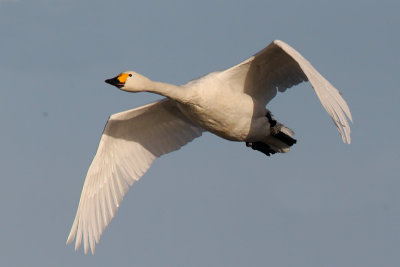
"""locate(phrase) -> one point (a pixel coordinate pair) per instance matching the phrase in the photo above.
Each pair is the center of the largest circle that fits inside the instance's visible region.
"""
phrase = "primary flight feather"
(230, 104)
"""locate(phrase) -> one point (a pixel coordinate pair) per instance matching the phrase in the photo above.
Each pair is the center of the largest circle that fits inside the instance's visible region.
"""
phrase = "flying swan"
(230, 103)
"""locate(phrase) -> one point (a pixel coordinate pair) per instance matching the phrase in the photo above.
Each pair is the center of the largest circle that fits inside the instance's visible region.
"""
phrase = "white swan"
(230, 104)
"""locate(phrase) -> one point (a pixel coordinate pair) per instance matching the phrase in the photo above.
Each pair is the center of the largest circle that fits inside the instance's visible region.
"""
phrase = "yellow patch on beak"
(123, 77)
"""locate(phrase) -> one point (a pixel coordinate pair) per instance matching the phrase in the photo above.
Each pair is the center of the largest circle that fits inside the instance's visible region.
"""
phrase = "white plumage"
(230, 104)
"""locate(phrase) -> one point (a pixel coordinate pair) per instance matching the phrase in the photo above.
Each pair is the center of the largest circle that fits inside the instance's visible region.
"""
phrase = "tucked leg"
(277, 131)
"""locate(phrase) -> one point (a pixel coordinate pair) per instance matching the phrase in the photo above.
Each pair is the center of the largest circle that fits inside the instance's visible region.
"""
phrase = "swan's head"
(129, 81)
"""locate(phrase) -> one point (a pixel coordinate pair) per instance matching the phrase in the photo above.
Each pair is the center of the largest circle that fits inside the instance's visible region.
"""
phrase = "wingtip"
(350, 118)
(346, 139)
(70, 238)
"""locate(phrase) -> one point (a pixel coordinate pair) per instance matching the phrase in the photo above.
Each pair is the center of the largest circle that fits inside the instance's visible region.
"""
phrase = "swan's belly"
(236, 118)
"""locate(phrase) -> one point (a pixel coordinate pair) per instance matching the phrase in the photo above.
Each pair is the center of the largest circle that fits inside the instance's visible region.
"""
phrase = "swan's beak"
(115, 81)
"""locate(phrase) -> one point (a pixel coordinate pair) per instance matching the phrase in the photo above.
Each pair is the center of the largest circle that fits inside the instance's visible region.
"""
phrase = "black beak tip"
(115, 82)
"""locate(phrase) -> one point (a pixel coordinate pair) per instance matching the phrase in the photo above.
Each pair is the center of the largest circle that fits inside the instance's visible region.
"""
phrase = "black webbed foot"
(259, 146)
(285, 138)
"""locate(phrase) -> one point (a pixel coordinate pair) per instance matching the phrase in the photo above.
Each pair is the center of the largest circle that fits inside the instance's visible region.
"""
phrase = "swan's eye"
(130, 75)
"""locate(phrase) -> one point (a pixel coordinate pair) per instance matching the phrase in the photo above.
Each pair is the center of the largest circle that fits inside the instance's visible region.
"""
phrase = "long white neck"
(171, 91)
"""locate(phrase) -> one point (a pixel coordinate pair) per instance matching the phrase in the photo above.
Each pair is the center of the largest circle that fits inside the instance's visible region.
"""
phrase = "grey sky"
(213, 203)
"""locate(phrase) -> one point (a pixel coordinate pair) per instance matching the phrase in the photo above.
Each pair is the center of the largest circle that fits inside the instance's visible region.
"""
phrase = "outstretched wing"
(131, 141)
(278, 67)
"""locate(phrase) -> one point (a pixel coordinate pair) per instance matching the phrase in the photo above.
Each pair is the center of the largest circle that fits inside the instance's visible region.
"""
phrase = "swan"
(230, 104)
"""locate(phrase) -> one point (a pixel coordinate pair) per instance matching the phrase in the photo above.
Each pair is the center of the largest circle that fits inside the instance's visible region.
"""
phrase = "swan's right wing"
(279, 67)
(131, 141)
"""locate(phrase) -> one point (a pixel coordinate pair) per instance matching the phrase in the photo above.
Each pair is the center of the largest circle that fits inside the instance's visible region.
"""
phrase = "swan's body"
(228, 116)
(230, 104)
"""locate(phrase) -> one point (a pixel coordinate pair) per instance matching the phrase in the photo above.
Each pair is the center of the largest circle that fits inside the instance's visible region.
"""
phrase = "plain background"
(214, 202)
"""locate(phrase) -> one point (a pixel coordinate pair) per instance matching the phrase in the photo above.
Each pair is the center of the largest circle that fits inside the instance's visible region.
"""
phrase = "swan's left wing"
(279, 67)
(131, 141)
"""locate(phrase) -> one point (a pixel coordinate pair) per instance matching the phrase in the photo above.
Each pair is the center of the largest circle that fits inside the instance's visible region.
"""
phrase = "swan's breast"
(232, 115)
